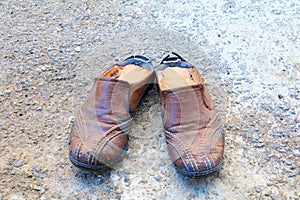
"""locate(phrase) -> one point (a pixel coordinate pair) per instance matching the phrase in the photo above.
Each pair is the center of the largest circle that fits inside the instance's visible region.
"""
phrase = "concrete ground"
(247, 51)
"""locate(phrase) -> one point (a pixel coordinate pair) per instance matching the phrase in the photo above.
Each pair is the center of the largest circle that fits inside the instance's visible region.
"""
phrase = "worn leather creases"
(193, 128)
(99, 135)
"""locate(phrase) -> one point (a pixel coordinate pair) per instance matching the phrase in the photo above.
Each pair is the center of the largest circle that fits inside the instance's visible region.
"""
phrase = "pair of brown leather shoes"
(193, 129)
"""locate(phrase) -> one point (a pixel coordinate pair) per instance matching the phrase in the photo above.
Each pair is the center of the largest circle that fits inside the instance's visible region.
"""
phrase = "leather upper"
(192, 127)
(102, 121)
(99, 135)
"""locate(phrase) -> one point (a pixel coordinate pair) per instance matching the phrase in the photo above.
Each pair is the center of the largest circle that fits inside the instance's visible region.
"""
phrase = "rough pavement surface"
(247, 51)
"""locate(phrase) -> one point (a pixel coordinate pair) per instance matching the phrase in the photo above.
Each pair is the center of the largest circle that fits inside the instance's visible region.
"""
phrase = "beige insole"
(174, 77)
(130, 73)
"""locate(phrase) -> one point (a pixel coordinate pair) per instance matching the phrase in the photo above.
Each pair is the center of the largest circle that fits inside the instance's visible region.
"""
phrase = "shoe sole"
(198, 174)
(101, 167)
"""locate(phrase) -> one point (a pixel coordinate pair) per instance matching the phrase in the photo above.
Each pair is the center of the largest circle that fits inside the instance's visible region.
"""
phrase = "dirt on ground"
(248, 53)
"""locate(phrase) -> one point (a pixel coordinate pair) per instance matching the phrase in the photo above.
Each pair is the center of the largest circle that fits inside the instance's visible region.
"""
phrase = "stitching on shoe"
(216, 119)
(185, 150)
(79, 123)
(125, 126)
(208, 161)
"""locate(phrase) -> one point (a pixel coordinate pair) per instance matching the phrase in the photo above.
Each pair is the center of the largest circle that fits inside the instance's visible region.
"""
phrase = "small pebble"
(119, 191)
(297, 152)
(297, 118)
(36, 168)
(46, 96)
(14, 197)
(288, 162)
(127, 180)
(19, 163)
(77, 49)
(50, 53)
(100, 181)
(258, 190)
(42, 191)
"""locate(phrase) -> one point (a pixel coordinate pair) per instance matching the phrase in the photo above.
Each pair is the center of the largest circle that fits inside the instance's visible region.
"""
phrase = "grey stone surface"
(247, 51)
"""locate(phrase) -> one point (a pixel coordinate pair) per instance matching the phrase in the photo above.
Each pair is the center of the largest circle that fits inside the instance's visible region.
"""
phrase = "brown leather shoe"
(99, 136)
(193, 129)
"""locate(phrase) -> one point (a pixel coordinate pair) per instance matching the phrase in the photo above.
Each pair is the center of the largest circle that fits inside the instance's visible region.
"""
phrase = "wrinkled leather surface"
(99, 135)
(193, 129)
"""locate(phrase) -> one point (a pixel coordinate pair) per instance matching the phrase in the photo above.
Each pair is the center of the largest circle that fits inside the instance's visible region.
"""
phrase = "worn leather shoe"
(99, 136)
(192, 127)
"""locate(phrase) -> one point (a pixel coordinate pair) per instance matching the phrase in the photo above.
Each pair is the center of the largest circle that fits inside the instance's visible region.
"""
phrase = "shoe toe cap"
(91, 156)
(197, 163)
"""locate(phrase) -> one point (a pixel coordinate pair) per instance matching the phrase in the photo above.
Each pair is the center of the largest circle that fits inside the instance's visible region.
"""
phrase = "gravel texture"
(247, 51)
